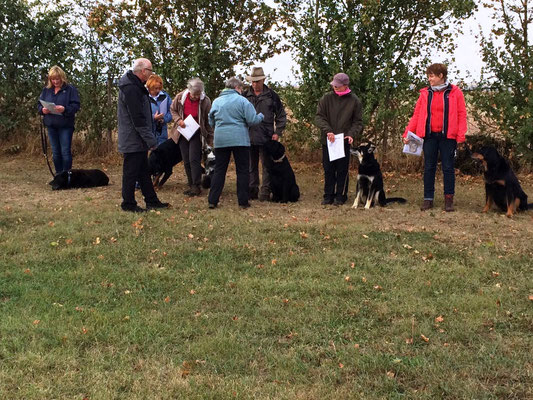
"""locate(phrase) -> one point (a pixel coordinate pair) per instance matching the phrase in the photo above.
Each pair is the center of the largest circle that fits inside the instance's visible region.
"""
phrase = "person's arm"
(462, 126)
(250, 115)
(281, 115)
(74, 102)
(134, 105)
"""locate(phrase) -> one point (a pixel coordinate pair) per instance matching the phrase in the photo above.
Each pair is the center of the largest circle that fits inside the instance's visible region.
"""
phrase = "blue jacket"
(160, 130)
(231, 115)
(67, 97)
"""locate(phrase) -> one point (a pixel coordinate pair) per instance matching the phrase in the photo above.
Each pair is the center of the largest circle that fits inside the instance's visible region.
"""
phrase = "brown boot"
(448, 203)
(426, 205)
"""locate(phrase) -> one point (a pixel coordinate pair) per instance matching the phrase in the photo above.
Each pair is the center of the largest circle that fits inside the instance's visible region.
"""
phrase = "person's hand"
(181, 124)
(331, 136)
(350, 139)
(46, 110)
(275, 136)
(158, 115)
(405, 140)
(60, 109)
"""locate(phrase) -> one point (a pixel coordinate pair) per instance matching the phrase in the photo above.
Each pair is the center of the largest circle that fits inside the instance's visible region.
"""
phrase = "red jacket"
(454, 120)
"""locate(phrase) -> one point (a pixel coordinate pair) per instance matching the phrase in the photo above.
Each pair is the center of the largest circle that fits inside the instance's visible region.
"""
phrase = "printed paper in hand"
(191, 126)
(414, 146)
(50, 106)
(163, 107)
(336, 149)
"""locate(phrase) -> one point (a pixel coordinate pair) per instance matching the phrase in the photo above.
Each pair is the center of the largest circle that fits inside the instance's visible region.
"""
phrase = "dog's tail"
(396, 200)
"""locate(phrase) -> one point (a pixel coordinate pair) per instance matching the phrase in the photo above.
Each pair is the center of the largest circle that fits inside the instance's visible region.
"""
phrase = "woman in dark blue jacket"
(59, 120)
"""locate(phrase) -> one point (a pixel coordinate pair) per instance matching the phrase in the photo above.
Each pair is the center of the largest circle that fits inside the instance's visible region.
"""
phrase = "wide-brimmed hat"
(257, 74)
(340, 79)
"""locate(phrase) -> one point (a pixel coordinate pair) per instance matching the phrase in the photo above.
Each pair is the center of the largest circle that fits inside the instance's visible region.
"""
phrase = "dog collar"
(69, 174)
(280, 159)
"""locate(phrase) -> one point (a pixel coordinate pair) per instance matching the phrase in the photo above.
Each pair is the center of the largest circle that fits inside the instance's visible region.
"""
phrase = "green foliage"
(504, 98)
(381, 45)
(187, 38)
(32, 39)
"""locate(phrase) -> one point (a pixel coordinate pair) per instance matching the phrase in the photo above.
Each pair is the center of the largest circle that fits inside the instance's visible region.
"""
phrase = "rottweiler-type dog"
(162, 160)
(501, 184)
(369, 187)
(79, 178)
(209, 167)
(282, 179)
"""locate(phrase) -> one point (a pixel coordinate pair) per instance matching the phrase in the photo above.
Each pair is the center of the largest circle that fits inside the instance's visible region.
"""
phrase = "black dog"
(282, 180)
(79, 178)
(162, 160)
(501, 184)
(370, 180)
(209, 168)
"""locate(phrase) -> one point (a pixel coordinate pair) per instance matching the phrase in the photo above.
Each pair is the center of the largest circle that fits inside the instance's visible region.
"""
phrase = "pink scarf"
(348, 90)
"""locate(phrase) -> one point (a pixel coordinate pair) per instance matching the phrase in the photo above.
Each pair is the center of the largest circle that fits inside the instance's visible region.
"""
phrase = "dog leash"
(44, 145)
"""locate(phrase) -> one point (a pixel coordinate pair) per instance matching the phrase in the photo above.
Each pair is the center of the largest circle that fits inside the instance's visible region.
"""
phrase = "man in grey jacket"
(267, 102)
(135, 136)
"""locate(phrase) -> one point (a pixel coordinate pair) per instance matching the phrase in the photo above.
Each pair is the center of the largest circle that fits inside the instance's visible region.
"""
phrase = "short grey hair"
(195, 85)
(140, 64)
(234, 83)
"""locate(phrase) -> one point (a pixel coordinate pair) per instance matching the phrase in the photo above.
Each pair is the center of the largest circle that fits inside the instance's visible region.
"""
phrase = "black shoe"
(326, 202)
(244, 206)
(264, 197)
(212, 206)
(194, 191)
(187, 192)
(254, 193)
(135, 209)
(338, 202)
(153, 206)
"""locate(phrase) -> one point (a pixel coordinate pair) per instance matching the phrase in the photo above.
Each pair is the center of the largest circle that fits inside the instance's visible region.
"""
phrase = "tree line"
(383, 45)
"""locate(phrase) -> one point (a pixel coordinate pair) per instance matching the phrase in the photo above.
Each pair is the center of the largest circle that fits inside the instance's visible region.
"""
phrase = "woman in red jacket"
(439, 118)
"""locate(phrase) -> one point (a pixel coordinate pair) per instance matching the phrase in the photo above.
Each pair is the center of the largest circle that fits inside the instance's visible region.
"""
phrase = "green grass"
(275, 302)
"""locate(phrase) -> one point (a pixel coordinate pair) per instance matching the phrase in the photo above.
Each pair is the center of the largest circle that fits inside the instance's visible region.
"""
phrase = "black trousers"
(135, 169)
(191, 152)
(256, 154)
(336, 177)
(241, 154)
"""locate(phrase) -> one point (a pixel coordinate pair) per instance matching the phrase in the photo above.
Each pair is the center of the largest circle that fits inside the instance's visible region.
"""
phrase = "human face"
(154, 91)
(147, 72)
(194, 95)
(258, 85)
(56, 81)
(341, 88)
(435, 80)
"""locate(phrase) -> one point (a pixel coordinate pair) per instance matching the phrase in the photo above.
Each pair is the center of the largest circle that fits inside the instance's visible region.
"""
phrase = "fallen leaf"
(407, 246)
(167, 299)
(363, 279)
(84, 330)
(424, 338)
(260, 266)
(341, 365)
(365, 236)
(347, 278)
(274, 261)
(192, 291)
(36, 322)
(101, 257)
(495, 274)
(377, 287)
(235, 318)
(127, 291)
(28, 272)
(439, 319)
(96, 241)
(390, 374)
(54, 244)
(303, 235)
(409, 340)
(190, 236)
(113, 240)
(356, 346)
(51, 223)
(68, 241)
(530, 297)
(352, 265)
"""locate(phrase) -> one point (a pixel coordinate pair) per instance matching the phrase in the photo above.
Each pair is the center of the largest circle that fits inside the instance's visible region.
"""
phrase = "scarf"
(440, 87)
(348, 90)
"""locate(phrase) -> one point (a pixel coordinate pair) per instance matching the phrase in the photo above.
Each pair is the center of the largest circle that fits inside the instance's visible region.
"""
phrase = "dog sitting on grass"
(282, 179)
(79, 178)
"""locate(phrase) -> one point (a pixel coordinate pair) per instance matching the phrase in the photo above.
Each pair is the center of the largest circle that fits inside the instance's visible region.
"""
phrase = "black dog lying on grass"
(282, 179)
(162, 160)
(501, 184)
(79, 178)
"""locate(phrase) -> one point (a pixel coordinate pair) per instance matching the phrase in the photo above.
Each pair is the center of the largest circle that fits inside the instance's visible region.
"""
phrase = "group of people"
(239, 122)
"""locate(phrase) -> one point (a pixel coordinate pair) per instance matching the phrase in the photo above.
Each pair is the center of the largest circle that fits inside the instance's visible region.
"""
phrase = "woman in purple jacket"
(59, 120)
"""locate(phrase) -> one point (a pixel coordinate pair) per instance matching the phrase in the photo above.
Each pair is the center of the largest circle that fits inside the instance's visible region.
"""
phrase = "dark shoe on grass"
(157, 205)
(244, 206)
(195, 191)
(135, 209)
(426, 205)
(212, 206)
(326, 202)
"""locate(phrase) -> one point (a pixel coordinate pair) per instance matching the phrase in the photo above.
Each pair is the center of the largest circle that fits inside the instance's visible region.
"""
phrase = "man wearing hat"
(267, 102)
(339, 111)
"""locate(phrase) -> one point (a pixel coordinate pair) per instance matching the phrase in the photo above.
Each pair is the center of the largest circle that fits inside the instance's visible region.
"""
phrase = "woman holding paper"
(192, 103)
(59, 102)
(440, 119)
(160, 102)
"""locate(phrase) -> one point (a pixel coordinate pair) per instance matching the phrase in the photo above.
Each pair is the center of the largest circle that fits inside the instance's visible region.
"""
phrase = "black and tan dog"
(369, 187)
(79, 178)
(282, 179)
(162, 160)
(501, 184)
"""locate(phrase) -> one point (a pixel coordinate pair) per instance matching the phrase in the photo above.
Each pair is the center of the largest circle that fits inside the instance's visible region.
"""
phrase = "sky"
(467, 54)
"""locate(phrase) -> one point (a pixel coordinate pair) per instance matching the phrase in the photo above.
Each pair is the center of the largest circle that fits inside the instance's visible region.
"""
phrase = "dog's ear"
(371, 148)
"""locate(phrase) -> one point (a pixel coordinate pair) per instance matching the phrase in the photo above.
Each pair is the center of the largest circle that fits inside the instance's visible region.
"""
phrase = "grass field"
(295, 301)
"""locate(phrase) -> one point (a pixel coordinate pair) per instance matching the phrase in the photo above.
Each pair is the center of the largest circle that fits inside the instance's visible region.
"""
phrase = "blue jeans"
(436, 143)
(61, 141)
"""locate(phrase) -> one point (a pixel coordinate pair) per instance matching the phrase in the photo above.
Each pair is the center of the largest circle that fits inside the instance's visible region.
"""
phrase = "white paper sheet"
(50, 106)
(163, 107)
(191, 126)
(336, 149)
(414, 146)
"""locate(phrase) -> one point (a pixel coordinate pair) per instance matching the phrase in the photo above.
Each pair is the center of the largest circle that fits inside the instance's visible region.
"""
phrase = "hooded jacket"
(232, 115)
(67, 97)
(177, 109)
(269, 104)
(454, 124)
(134, 115)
